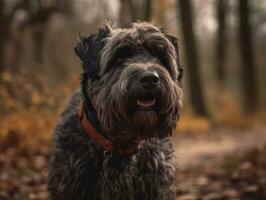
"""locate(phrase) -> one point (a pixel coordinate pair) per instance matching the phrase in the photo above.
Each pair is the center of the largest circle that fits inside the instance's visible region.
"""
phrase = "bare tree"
(132, 11)
(196, 93)
(221, 10)
(147, 15)
(6, 19)
(3, 34)
(38, 21)
(248, 61)
(128, 12)
(37, 13)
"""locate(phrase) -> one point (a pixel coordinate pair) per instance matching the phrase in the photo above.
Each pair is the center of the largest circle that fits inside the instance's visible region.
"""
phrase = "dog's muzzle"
(149, 80)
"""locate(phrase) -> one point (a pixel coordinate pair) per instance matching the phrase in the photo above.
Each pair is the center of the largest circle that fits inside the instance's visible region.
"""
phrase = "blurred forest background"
(223, 48)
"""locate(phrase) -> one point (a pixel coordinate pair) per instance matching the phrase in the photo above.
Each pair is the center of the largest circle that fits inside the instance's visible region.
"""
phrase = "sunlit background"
(222, 47)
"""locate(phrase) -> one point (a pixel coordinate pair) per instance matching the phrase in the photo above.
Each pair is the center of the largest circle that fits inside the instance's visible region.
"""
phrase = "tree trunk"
(196, 93)
(248, 62)
(17, 44)
(3, 43)
(38, 39)
(221, 7)
(133, 11)
(4, 27)
(127, 13)
(147, 10)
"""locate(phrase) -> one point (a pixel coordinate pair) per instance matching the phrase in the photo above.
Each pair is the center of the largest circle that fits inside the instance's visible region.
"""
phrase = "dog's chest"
(147, 175)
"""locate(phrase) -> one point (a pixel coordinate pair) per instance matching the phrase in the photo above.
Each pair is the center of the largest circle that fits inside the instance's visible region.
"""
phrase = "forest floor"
(219, 165)
(223, 164)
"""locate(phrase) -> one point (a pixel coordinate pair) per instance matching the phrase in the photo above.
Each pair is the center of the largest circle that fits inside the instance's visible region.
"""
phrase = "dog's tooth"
(145, 103)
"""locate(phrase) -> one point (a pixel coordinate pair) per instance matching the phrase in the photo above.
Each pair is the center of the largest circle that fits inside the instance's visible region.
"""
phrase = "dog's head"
(134, 78)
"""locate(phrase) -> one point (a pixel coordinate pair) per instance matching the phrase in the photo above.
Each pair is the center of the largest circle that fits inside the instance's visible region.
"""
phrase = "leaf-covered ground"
(220, 165)
(223, 165)
(23, 174)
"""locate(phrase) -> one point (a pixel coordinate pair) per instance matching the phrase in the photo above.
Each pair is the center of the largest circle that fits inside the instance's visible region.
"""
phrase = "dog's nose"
(149, 79)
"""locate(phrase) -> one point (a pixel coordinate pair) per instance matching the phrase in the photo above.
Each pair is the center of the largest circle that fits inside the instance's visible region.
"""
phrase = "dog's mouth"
(145, 103)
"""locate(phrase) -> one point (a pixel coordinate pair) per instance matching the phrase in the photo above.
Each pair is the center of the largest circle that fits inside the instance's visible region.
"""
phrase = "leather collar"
(106, 144)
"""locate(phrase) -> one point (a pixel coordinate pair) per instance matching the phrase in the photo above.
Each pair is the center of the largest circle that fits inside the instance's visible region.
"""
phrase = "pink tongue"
(145, 103)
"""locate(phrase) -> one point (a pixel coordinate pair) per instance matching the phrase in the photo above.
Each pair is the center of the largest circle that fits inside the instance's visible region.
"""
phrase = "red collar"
(97, 137)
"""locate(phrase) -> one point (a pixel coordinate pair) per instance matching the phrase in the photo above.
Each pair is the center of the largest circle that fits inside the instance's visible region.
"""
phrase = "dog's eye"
(125, 51)
(158, 50)
(119, 60)
(162, 55)
(121, 52)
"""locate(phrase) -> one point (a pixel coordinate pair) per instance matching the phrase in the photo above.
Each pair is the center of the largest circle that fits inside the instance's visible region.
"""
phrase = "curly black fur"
(114, 60)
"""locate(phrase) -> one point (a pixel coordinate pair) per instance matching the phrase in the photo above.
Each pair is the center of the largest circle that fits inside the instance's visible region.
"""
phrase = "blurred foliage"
(39, 72)
(30, 108)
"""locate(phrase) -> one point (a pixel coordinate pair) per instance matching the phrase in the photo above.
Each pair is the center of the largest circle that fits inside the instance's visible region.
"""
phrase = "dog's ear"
(88, 50)
(174, 42)
(180, 67)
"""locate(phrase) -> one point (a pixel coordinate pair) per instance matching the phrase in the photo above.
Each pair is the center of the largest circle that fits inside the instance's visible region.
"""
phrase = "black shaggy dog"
(113, 140)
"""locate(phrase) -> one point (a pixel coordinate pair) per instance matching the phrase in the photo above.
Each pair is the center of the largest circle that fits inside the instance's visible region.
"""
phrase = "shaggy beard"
(145, 123)
(123, 122)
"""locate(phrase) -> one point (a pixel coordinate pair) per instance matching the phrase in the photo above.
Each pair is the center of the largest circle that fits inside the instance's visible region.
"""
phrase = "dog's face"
(134, 81)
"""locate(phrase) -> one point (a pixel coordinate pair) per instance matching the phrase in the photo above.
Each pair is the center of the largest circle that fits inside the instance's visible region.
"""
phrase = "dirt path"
(194, 150)
(222, 165)
(212, 167)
